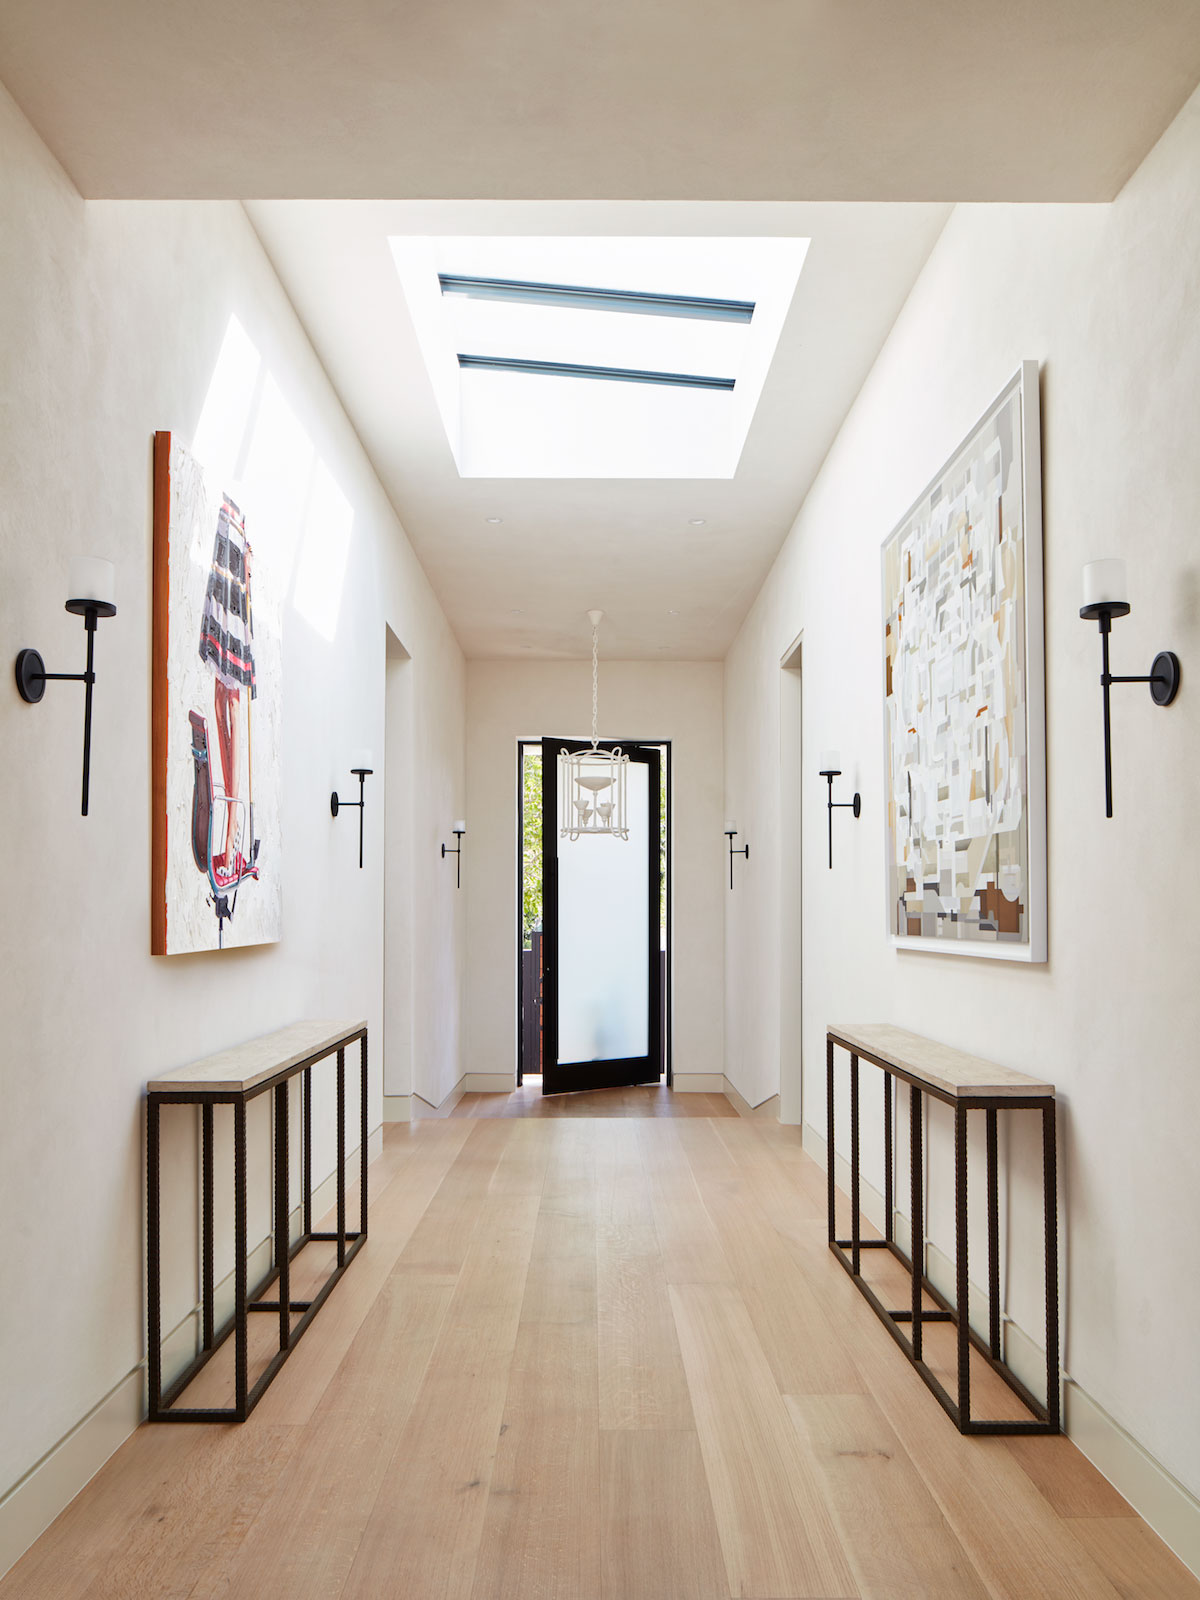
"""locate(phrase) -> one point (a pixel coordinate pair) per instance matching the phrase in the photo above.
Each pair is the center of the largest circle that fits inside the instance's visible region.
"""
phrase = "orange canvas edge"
(160, 638)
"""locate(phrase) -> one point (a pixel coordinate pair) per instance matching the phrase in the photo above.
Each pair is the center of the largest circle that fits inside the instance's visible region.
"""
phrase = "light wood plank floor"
(643, 1100)
(605, 1359)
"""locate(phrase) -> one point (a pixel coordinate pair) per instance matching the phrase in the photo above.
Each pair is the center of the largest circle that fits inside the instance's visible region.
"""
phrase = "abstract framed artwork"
(964, 696)
(215, 758)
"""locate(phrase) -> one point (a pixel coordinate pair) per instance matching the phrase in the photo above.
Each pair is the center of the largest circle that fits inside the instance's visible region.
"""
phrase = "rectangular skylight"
(516, 332)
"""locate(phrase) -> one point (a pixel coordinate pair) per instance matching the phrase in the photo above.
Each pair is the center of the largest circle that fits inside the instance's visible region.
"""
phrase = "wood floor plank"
(658, 1535)
(1137, 1562)
(805, 1354)
(775, 1525)
(1068, 1479)
(428, 1151)
(540, 1534)
(980, 1487)
(691, 1251)
(540, 1514)
(441, 1239)
(173, 1503)
(428, 1516)
(899, 1545)
(784, 1188)
(988, 1500)
(307, 1532)
(642, 1382)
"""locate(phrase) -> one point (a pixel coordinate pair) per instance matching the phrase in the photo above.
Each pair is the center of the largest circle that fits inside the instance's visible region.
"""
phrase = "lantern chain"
(595, 683)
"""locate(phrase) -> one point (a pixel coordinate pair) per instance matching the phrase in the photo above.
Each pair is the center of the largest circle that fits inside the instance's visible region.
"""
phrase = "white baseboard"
(488, 1083)
(1169, 1508)
(422, 1107)
(29, 1507)
(698, 1083)
(397, 1107)
(1153, 1492)
(765, 1108)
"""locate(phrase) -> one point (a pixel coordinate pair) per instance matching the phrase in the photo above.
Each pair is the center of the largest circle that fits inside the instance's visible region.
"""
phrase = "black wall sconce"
(1104, 597)
(91, 584)
(731, 835)
(831, 768)
(455, 849)
(362, 769)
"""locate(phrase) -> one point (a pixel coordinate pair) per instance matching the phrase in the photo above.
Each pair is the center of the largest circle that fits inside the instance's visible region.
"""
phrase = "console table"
(235, 1077)
(968, 1084)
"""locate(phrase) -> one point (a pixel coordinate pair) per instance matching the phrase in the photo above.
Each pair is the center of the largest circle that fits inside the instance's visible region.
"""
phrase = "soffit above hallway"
(650, 99)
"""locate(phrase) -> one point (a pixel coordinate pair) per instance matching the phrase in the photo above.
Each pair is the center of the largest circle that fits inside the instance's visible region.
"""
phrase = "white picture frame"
(981, 839)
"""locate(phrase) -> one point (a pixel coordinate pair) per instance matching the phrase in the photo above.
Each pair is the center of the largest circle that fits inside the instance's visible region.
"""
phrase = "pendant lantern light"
(592, 782)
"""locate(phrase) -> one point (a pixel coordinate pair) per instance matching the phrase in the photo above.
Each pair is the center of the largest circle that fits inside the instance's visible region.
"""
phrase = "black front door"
(602, 966)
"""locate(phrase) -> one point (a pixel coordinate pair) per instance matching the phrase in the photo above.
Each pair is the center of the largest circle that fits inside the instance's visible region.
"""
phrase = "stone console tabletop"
(949, 1072)
(243, 1066)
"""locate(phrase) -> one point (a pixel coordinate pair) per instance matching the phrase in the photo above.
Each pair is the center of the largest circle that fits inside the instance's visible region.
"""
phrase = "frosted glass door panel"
(603, 938)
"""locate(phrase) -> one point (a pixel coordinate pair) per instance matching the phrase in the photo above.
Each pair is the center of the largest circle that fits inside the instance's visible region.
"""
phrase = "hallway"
(596, 1358)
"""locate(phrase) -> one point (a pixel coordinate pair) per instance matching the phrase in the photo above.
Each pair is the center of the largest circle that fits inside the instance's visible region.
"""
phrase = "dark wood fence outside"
(531, 1006)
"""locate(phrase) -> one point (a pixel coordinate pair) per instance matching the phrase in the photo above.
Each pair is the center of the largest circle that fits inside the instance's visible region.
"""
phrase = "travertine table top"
(243, 1066)
(953, 1072)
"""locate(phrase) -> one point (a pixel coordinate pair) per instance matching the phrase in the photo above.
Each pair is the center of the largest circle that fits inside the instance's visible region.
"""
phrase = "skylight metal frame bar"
(579, 298)
(570, 369)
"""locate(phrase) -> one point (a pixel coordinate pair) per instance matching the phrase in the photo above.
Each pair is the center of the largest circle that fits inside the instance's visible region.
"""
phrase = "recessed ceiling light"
(517, 611)
(696, 522)
(673, 613)
(493, 519)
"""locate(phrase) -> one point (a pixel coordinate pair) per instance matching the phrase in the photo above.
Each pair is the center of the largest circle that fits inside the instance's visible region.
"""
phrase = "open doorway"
(533, 883)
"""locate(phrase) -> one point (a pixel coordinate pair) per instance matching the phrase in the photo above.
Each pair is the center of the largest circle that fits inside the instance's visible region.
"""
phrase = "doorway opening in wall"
(593, 944)
(791, 899)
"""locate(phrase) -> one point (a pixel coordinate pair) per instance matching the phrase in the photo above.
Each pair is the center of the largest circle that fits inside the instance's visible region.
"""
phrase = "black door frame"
(664, 1008)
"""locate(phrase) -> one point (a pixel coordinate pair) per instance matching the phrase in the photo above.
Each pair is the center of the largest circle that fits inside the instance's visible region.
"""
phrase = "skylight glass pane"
(595, 338)
(515, 424)
(661, 433)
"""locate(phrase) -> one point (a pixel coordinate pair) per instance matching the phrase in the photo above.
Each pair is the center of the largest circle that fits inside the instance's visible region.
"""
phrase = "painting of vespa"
(216, 720)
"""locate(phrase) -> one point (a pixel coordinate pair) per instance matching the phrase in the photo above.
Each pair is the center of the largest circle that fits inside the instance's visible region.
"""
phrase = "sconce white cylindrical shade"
(1105, 583)
(92, 578)
(459, 827)
(731, 826)
(362, 761)
(830, 761)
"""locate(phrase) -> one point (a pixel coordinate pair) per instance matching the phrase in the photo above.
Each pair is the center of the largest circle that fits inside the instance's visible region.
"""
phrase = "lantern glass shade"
(1105, 583)
(592, 793)
(92, 581)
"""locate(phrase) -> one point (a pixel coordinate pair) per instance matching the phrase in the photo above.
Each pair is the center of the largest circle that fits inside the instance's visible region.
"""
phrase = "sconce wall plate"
(731, 835)
(855, 805)
(336, 805)
(1163, 678)
(32, 677)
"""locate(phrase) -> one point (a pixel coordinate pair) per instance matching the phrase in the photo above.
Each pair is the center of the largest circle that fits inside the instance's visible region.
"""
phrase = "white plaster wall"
(112, 316)
(639, 700)
(1106, 297)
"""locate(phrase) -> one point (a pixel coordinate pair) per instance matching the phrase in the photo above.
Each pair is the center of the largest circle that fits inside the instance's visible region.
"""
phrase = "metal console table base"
(1046, 1416)
(162, 1403)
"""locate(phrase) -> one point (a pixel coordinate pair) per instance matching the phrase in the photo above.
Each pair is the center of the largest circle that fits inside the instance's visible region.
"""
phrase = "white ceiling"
(566, 545)
(638, 99)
